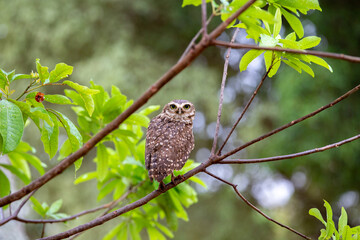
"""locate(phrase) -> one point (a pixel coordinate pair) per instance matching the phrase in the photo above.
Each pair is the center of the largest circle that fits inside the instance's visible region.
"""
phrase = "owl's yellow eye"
(186, 106)
(172, 106)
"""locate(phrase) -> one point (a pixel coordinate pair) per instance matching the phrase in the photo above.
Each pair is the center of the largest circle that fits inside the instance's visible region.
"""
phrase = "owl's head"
(180, 110)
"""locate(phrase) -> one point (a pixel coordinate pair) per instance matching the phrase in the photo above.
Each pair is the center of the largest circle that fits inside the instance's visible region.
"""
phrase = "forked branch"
(253, 206)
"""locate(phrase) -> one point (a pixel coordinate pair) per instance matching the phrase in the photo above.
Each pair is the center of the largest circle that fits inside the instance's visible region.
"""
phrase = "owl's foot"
(161, 186)
(177, 178)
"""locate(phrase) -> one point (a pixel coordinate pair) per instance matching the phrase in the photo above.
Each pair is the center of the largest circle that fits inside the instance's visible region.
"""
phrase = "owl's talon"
(161, 186)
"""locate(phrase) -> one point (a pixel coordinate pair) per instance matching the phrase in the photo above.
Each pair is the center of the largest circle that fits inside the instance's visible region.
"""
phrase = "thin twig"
(289, 156)
(244, 110)
(221, 98)
(168, 76)
(255, 208)
(16, 213)
(277, 130)
(192, 42)
(203, 18)
(279, 49)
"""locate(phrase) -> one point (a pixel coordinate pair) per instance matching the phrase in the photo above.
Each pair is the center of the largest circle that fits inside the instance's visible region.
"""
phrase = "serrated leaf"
(102, 161)
(42, 71)
(309, 42)
(5, 185)
(55, 206)
(85, 94)
(57, 99)
(248, 58)
(294, 22)
(316, 213)
(11, 125)
(61, 71)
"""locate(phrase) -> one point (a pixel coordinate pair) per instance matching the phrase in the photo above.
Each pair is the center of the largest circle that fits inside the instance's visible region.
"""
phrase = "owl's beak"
(179, 111)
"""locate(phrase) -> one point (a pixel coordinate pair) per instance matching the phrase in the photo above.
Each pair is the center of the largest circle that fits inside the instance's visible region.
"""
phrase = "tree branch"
(289, 156)
(289, 124)
(16, 213)
(279, 49)
(203, 18)
(255, 208)
(152, 90)
(221, 98)
(245, 109)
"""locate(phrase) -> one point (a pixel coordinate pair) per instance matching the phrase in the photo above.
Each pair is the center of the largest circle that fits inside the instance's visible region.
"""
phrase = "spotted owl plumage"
(169, 139)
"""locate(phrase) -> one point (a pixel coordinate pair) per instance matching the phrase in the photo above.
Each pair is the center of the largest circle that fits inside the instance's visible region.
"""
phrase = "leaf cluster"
(344, 231)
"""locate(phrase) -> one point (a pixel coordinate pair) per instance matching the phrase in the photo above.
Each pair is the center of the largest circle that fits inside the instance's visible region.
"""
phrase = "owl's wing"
(184, 146)
(153, 133)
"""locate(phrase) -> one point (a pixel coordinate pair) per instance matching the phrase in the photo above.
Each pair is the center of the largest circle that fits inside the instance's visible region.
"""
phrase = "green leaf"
(85, 177)
(119, 228)
(303, 66)
(138, 119)
(20, 76)
(273, 61)
(248, 58)
(55, 207)
(61, 71)
(319, 61)
(294, 22)
(102, 161)
(57, 99)
(107, 189)
(154, 234)
(38, 207)
(309, 42)
(65, 150)
(304, 5)
(5, 185)
(164, 230)
(86, 94)
(149, 109)
(329, 213)
(20, 174)
(3, 79)
(134, 232)
(316, 213)
(278, 23)
(343, 220)
(42, 71)
(11, 126)
(34, 161)
(73, 133)
(193, 2)
(198, 181)
(268, 41)
(50, 136)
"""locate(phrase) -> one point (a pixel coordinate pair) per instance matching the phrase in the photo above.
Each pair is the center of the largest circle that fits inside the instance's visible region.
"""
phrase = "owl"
(169, 140)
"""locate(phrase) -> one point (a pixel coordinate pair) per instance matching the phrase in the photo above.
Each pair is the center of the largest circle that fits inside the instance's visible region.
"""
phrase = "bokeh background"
(130, 44)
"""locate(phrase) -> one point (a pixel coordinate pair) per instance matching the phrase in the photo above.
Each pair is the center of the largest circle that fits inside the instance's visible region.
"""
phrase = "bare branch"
(203, 18)
(152, 90)
(221, 98)
(289, 156)
(255, 208)
(245, 109)
(192, 42)
(279, 49)
(289, 124)
(16, 213)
